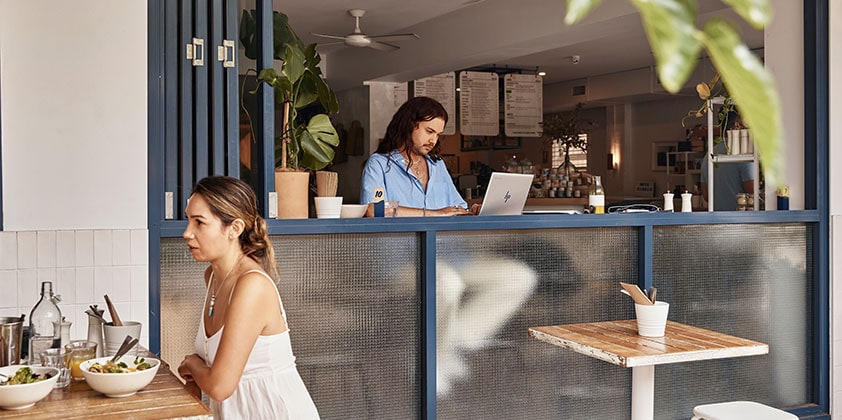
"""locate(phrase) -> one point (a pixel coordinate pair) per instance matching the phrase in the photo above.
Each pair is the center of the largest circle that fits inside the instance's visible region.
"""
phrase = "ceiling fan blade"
(382, 46)
(394, 37)
(327, 36)
(328, 44)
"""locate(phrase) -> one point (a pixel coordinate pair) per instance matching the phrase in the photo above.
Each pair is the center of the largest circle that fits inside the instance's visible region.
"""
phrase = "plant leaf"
(318, 142)
(293, 66)
(670, 26)
(578, 9)
(283, 35)
(758, 13)
(308, 91)
(326, 96)
(752, 88)
(248, 34)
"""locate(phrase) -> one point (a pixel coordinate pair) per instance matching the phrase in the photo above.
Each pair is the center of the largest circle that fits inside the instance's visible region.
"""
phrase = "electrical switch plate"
(273, 205)
(168, 205)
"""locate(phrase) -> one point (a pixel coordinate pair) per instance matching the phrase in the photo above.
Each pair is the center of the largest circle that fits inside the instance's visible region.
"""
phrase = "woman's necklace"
(213, 295)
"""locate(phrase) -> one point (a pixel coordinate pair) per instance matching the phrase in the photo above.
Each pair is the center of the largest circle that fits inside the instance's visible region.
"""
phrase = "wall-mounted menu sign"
(479, 103)
(442, 88)
(524, 105)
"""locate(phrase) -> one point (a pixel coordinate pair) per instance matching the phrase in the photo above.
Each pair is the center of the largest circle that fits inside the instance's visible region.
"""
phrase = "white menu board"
(524, 105)
(479, 113)
(397, 94)
(441, 87)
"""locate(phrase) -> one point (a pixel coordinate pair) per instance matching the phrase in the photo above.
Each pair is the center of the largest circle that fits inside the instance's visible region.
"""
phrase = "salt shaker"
(95, 333)
(668, 201)
(64, 330)
(686, 202)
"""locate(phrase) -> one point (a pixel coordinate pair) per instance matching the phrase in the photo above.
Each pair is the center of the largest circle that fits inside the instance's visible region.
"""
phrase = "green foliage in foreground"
(670, 26)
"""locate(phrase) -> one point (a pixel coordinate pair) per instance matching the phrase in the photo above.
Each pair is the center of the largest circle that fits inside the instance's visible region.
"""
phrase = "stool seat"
(739, 410)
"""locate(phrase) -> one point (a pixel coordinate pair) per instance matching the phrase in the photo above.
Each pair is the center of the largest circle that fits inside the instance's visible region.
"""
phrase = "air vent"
(578, 90)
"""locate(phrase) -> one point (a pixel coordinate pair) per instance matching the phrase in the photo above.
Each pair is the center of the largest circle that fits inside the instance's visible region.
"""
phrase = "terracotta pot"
(292, 188)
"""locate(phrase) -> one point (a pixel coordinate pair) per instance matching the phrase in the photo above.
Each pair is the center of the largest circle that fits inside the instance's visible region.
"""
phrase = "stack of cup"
(328, 207)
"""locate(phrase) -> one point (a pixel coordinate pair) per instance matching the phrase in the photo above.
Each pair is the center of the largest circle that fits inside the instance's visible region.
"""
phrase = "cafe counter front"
(379, 308)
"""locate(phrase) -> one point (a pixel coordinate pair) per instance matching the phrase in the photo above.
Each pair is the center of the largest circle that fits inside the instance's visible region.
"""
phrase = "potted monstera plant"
(308, 138)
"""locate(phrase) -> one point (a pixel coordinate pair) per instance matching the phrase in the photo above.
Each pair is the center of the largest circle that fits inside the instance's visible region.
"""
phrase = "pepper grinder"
(64, 330)
(686, 202)
(95, 332)
(668, 201)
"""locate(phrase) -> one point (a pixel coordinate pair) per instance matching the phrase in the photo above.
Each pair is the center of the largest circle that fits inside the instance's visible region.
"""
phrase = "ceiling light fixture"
(542, 73)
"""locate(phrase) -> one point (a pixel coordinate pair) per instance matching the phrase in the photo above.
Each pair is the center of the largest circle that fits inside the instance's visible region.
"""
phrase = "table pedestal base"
(643, 393)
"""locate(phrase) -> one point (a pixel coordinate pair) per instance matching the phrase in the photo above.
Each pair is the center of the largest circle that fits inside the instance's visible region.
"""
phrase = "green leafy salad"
(25, 375)
(120, 367)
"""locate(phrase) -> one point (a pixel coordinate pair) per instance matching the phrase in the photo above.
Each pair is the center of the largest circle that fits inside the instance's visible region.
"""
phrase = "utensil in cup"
(128, 343)
(113, 311)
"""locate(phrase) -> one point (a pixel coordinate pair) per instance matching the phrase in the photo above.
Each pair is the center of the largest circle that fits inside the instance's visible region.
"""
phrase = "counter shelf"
(361, 298)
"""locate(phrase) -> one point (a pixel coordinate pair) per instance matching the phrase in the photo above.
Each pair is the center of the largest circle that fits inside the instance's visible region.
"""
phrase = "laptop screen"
(506, 194)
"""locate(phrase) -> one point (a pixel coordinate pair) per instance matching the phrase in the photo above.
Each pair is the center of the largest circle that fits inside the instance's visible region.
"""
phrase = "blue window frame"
(164, 120)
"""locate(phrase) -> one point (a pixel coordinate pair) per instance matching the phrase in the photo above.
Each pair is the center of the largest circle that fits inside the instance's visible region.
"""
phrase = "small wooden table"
(164, 398)
(617, 342)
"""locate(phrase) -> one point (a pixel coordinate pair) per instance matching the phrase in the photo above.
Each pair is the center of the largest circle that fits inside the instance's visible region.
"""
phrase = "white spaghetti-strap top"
(270, 387)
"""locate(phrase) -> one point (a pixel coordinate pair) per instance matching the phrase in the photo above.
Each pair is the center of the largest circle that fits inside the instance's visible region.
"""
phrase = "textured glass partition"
(353, 311)
(751, 281)
(354, 314)
(513, 280)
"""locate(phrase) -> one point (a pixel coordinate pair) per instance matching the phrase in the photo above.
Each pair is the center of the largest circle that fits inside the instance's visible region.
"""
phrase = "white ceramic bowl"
(17, 397)
(119, 384)
(353, 211)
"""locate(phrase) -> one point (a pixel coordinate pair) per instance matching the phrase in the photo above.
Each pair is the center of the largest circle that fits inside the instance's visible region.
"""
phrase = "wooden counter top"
(164, 398)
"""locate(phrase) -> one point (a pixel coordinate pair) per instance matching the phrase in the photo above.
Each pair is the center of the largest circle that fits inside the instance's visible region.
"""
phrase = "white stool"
(740, 410)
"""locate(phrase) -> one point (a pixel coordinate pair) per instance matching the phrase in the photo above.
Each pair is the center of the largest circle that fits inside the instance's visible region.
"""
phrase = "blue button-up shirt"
(389, 172)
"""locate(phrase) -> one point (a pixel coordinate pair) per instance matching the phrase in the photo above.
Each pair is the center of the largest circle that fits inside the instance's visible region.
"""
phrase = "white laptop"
(506, 194)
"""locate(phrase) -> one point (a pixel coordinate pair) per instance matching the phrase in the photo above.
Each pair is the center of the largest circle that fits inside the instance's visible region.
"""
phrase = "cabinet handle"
(223, 55)
(196, 52)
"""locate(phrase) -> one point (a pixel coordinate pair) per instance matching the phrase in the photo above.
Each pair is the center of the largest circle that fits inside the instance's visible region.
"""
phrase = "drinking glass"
(79, 351)
(58, 359)
(391, 209)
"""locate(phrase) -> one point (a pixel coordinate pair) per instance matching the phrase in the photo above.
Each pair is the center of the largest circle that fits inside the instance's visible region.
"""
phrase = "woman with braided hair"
(243, 358)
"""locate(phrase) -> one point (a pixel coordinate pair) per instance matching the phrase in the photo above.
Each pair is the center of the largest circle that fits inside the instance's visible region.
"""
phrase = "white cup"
(744, 142)
(328, 207)
(734, 142)
(651, 319)
(114, 336)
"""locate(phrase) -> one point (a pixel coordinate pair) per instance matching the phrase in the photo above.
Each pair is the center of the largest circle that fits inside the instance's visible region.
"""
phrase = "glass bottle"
(596, 197)
(43, 333)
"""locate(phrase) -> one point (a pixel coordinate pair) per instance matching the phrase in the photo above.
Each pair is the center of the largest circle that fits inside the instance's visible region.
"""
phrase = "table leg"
(643, 393)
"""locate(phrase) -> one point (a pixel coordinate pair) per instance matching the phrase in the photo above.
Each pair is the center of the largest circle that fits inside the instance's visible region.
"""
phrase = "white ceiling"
(459, 34)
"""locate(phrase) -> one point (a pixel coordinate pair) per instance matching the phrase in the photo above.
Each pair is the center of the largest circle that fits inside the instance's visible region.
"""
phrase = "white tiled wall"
(83, 265)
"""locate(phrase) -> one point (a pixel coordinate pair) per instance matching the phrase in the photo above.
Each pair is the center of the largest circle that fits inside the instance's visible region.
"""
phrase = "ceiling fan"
(359, 39)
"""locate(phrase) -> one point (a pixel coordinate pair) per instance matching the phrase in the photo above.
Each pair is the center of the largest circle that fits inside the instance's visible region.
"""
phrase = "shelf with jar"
(687, 166)
(739, 148)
